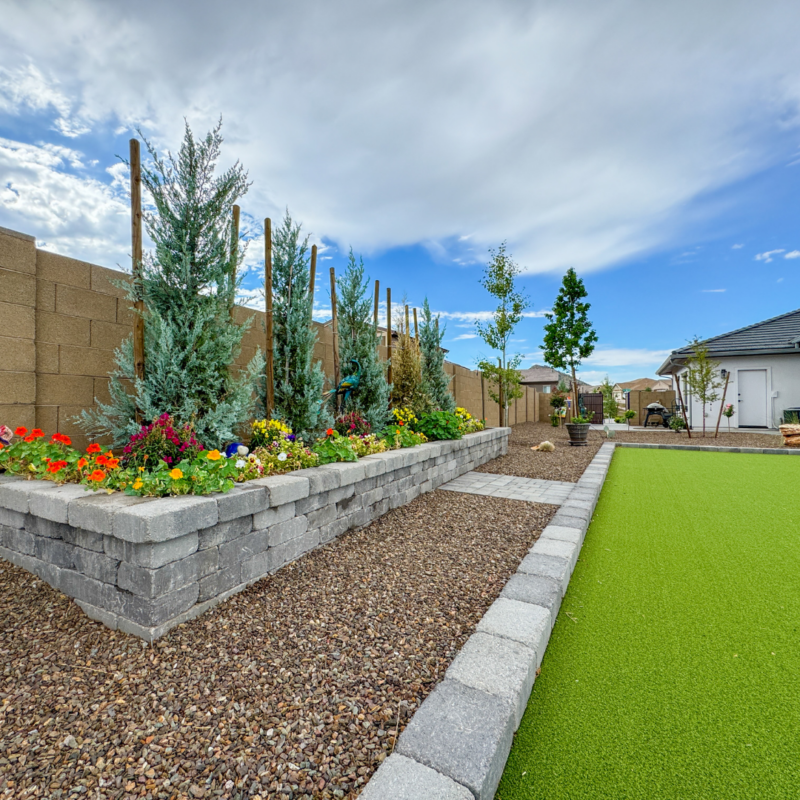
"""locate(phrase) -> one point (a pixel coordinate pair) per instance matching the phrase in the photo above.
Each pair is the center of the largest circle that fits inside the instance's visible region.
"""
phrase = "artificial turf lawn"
(673, 670)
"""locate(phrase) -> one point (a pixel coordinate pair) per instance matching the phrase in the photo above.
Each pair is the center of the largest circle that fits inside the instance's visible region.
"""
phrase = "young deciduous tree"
(299, 380)
(503, 377)
(358, 340)
(702, 377)
(568, 336)
(610, 409)
(435, 381)
(188, 288)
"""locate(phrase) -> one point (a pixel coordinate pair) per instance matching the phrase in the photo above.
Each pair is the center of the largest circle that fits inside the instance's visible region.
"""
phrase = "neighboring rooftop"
(775, 336)
(538, 373)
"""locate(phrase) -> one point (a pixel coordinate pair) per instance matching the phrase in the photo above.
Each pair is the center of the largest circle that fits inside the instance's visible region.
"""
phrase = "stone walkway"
(511, 487)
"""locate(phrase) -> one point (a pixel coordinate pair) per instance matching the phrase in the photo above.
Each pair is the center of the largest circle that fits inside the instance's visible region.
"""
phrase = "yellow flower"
(137, 484)
(214, 455)
(141, 469)
(176, 474)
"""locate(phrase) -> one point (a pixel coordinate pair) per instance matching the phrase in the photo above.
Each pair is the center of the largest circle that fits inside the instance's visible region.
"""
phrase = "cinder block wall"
(61, 320)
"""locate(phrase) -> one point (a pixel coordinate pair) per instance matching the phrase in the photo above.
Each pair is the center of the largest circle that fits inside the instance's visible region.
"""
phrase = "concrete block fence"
(456, 745)
(144, 565)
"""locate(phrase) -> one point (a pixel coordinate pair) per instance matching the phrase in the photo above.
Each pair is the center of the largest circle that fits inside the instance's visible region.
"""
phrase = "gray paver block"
(548, 566)
(149, 555)
(401, 778)
(242, 548)
(285, 531)
(96, 512)
(169, 518)
(349, 472)
(96, 565)
(53, 503)
(522, 622)
(12, 519)
(561, 534)
(284, 488)
(224, 532)
(272, 516)
(14, 494)
(241, 501)
(537, 590)
(498, 666)
(463, 733)
(560, 549)
(152, 583)
(319, 479)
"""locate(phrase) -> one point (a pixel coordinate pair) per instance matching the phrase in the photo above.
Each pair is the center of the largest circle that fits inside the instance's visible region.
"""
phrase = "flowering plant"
(441, 425)
(284, 456)
(334, 447)
(469, 424)
(404, 416)
(249, 466)
(160, 440)
(352, 424)
(728, 411)
(367, 445)
(397, 436)
(265, 432)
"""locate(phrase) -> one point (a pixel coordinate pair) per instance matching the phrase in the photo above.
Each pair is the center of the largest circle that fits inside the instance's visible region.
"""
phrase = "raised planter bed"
(144, 565)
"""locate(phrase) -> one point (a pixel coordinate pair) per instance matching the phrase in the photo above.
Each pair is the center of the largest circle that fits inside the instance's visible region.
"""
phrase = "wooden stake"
(407, 330)
(234, 253)
(683, 407)
(389, 332)
(136, 256)
(500, 395)
(722, 404)
(416, 327)
(334, 329)
(375, 313)
(269, 403)
(313, 277)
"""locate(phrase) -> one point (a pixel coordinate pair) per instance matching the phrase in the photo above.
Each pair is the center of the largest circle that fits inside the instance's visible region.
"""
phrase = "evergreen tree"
(188, 289)
(435, 381)
(569, 336)
(299, 381)
(358, 340)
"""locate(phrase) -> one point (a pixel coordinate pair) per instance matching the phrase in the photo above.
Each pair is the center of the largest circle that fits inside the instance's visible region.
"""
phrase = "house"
(762, 365)
(546, 379)
(641, 385)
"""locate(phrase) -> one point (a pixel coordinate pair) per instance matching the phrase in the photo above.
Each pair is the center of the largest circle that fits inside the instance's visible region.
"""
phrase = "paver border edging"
(764, 451)
(459, 739)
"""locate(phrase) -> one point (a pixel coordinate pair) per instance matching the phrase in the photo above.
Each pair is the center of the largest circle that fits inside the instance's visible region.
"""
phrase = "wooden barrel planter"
(578, 433)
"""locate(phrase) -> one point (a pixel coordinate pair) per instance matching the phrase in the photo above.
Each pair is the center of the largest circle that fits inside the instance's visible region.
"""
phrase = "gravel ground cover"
(672, 670)
(295, 688)
(567, 463)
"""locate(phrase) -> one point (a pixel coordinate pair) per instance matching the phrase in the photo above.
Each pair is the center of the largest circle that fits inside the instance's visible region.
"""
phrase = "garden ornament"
(6, 435)
(236, 449)
(347, 385)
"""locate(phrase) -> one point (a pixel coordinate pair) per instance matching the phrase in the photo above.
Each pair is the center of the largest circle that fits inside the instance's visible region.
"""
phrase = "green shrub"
(334, 447)
(400, 435)
(440, 425)
(161, 440)
(285, 455)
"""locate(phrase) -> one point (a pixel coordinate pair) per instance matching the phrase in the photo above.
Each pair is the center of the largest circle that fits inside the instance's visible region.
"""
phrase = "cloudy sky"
(653, 147)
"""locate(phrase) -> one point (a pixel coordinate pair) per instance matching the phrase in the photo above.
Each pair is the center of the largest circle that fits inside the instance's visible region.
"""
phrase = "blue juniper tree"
(435, 381)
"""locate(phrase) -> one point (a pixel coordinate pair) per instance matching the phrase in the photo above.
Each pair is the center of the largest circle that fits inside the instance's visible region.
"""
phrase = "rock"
(791, 435)
(544, 447)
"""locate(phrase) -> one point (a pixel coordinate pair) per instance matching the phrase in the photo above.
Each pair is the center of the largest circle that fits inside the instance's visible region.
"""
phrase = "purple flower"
(291, 437)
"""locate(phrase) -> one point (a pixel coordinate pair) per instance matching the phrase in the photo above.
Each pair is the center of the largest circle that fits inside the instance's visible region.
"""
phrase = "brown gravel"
(295, 688)
(567, 463)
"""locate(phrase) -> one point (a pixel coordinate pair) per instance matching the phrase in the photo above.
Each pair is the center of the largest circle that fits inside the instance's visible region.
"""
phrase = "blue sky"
(655, 149)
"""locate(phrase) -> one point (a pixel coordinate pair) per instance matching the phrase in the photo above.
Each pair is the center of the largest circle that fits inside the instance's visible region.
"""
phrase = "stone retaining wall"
(144, 565)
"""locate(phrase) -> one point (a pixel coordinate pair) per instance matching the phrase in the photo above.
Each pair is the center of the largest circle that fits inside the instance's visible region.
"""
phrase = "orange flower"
(37, 433)
(137, 484)
(109, 454)
(65, 439)
(29, 438)
(112, 463)
(401, 422)
(82, 462)
(329, 432)
(214, 455)
(56, 466)
(93, 448)
(102, 460)
(175, 474)
(98, 475)
(21, 431)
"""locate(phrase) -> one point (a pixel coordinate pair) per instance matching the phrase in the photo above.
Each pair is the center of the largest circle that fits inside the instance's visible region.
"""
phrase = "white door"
(752, 398)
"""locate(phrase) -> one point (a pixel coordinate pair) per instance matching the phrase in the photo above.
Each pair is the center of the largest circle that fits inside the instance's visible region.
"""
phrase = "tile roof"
(538, 373)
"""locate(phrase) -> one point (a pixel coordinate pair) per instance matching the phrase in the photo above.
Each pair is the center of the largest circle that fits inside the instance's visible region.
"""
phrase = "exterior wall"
(144, 565)
(639, 400)
(783, 389)
(62, 319)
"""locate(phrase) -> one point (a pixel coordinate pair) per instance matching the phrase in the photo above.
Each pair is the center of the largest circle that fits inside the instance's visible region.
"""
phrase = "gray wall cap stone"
(285, 488)
(349, 471)
(537, 590)
(463, 733)
(96, 512)
(53, 503)
(522, 622)
(561, 534)
(401, 778)
(497, 666)
(319, 479)
(560, 549)
(14, 494)
(166, 519)
(241, 501)
(374, 465)
(548, 566)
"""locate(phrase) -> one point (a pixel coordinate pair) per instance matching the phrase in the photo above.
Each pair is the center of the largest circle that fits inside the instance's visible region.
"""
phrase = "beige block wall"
(638, 401)
(61, 320)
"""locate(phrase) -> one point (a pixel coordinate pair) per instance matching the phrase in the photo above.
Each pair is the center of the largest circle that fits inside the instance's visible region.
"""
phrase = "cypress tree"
(358, 340)
(188, 288)
(435, 381)
(298, 380)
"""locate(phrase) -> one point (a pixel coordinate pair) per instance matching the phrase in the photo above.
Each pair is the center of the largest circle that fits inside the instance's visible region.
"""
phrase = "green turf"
(673, 671)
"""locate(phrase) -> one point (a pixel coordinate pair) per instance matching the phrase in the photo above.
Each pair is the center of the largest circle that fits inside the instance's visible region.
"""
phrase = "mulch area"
(567, 463)
(295, 688)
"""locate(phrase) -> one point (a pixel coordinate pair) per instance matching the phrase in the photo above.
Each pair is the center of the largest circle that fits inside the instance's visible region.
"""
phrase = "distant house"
(763, 362)
(546, 379)
(640, 385)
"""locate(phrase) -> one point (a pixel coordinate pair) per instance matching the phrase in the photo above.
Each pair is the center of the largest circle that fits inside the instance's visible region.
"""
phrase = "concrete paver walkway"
(511, 487)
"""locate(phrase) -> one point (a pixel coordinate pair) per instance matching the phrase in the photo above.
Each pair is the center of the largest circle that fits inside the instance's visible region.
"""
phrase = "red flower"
(93, 448)
(98, 475)
(66, 440)
(21, 431)
(82, 462)
(329, 432)
(56, 466)
(401, 422)
(102, 460)
(29, 438)
(37, 433)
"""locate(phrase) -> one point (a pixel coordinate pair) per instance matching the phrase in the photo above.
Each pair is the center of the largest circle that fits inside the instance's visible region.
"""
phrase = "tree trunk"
(574, 392)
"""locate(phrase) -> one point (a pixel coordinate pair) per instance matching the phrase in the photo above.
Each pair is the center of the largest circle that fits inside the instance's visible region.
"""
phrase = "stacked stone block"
(144, 565)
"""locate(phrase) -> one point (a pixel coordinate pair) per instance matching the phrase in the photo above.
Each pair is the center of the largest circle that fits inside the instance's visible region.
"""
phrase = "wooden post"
(313, 277)
(483, 401)
(416, 327)
(683, 407)
(375, 312)
(408, 327)
(136, 257)
(234, 253)
(722, 404)
(389, 332)
(269, 402)
(334, 329)
(500, 397)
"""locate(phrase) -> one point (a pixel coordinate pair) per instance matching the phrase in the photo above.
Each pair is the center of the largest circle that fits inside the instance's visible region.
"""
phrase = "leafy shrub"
(352, 424)
(334, 447)
(285, 455)
(440, 425)
(368, 445)
(469, 424)
(555, 420)
(264, 432)
(676, 422)
(401, 435)
(161, 440)
(404, 416)
(579, 420)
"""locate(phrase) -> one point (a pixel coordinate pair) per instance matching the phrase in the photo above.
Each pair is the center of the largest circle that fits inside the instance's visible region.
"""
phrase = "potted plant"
(578, 430)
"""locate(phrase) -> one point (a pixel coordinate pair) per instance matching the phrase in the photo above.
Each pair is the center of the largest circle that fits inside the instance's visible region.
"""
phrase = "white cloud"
(737, 247)
(483, 316)
(712, 291)
(465, 336)
(510, 121)
(793, 254)
(626, 357)
(766, 256)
